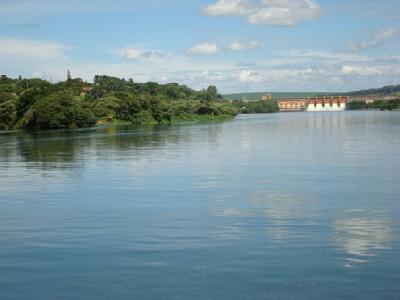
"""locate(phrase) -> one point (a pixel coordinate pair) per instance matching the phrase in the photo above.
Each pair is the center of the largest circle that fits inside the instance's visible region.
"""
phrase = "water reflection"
(280, 213)
(362, 235)
(260, 202)
(73, 148)
(29, 161)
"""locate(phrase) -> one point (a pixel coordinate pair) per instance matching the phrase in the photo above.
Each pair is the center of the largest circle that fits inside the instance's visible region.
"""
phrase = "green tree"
(160, 110)
(30, 97)
(106, 107)
(4, 97)
(8, 113)
(58, 110)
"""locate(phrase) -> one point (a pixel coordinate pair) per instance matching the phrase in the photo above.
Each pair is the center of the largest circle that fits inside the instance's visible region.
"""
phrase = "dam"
(314, 104)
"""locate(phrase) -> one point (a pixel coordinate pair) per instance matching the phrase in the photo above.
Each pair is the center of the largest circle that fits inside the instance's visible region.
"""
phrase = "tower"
(69, 76)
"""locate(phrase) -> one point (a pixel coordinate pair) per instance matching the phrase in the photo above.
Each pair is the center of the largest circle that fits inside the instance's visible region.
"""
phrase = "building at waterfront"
(311, 104)
(266, 97)
(327, 103)
(292, 104)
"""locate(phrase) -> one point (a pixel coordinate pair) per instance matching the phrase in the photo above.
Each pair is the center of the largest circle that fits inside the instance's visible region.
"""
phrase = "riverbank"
(185, 118)
(375, 105)
(201, 118)
(32, 104)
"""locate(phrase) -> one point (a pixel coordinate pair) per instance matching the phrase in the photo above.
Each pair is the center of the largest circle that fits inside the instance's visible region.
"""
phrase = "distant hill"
(384, 91)
(392, 90)
(276, 95)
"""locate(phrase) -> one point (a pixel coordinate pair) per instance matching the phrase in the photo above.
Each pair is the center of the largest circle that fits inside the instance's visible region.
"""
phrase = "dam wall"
(314, 104)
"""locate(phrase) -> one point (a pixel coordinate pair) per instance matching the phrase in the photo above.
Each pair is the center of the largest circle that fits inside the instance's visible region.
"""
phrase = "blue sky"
(238, 45)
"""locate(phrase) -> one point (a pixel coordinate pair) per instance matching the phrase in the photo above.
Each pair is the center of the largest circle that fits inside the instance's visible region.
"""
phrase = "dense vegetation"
(38, 104)
(386, 90)
(382, 105)
(34, 104)
(256, 107)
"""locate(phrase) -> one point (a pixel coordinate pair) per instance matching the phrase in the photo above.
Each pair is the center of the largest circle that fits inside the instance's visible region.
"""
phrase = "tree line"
(35, 104)
(378, 105)
(386, 90)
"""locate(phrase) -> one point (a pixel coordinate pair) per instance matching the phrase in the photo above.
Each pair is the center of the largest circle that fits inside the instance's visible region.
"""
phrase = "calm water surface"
(282, 206)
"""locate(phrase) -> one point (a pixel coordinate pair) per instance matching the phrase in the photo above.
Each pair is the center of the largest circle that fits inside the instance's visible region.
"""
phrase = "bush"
(58, 110)
(8, 114)
(5, 96)
(255, 107)
(106, 107)
(39, 104)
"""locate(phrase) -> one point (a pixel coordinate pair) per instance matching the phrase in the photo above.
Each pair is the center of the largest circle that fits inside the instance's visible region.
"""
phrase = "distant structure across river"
(325, 103)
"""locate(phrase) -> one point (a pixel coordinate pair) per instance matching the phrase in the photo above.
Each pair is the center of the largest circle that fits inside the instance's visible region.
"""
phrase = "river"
(274, 206)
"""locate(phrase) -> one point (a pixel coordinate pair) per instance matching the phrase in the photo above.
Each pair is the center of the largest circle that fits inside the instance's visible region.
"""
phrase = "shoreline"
(193, 119)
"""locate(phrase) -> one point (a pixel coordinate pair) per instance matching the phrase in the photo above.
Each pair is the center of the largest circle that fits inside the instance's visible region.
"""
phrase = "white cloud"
(14, 48)
(324, 56)
(388, 58)
(198, 73)
(204, 48)
(285, 12)
(234, 46)
(132, 53)
(374, 39)
(245, 64)
(249, 76)
(294, 70)
(228, 8)
(242, 45)
(267, 12)
(206, 78)
(360, 71)
(136, 53)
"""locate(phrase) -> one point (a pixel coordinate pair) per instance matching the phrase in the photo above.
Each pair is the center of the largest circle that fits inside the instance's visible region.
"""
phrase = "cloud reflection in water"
(361, 236)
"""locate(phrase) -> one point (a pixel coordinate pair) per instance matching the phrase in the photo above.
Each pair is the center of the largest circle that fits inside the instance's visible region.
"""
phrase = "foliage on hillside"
(382, 105)
(256, 107)
(38, 104)
(386, 90)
